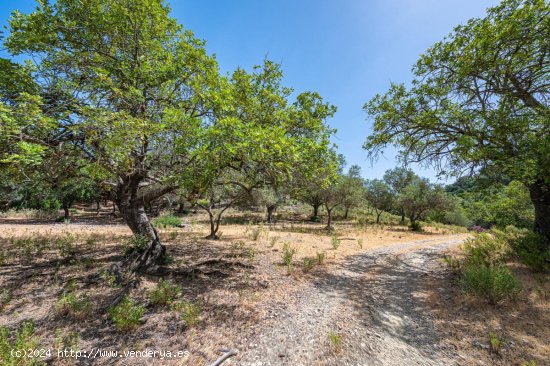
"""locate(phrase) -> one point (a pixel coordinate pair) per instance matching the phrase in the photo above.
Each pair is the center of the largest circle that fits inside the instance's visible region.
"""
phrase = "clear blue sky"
(347, 50)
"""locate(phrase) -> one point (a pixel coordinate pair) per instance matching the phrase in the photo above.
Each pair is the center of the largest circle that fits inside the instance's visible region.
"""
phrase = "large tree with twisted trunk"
(479, 100)
(142, 102)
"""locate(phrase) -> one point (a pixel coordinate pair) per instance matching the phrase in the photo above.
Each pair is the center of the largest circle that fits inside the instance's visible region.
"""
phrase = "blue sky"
(347, 50)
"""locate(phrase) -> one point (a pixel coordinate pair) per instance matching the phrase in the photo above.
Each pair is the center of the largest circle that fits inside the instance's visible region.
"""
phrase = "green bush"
(288, 256)
(493, 284)
(136, 244)
(531, 251)
(415, 226)
(335, 242)
(164, 293)
(321, 257)
(126, 315)
(308, 264)
(70, 304)
(21, 341)
(167, 221)
(488, 248)
(190, 313)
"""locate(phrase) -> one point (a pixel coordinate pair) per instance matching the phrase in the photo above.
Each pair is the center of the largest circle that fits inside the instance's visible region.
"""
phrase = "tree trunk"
(402, 216)
(98, 206)
(346, 213)
(66, 211)
(270, 211)
(378, 214)
(181, 208)
(540, 196)
(315, 212)
(132, 209)
(213, 226)
(329, 219)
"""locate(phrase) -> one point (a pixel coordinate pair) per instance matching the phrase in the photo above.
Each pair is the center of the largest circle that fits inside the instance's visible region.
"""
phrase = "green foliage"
(257, 232)
(360, 243)
(488, 249)
(71, 304)
(335, 340)
(288, 256)
(135, 244)
(493, 284)
(378, 195)
(19, 342)
(309, 263)
(67, 341)
(321, 257)
(126, 315)
(164, 293)
(454, 264)
(167, 221)
(415, 226)
(495, 342)
(335, 242)
(190, 312)
(529, 247)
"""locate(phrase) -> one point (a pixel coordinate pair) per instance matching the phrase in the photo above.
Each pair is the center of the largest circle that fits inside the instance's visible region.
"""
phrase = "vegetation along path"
(370, 310)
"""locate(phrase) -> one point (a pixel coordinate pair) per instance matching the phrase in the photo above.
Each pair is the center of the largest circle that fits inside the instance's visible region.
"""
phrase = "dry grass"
(232, 306)
(520, 325)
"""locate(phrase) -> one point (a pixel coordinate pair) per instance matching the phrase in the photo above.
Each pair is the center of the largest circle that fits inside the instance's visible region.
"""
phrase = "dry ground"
(237, 302)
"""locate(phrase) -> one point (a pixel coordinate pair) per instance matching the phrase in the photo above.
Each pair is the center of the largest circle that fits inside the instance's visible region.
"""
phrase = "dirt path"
(373, 301)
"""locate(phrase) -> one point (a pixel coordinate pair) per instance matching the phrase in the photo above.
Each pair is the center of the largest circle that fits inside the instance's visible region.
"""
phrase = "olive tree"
(397, 179)
(479, 99)
(379, 195)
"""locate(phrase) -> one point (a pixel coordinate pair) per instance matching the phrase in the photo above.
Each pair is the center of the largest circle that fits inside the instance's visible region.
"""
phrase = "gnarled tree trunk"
(270, 210)
(315, 211)
(132, 209)
(540, 196)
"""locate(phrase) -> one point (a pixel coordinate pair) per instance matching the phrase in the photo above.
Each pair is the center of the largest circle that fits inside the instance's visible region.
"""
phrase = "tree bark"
(378, 214)
(402, 215)
(539, 192)
(315, 211)
(329, 218)
(132, 209)
(270, 211)
(213, 226)
(66, 211)
(346, 213)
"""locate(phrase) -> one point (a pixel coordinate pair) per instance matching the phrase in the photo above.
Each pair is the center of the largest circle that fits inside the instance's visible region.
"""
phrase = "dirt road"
(373, 303)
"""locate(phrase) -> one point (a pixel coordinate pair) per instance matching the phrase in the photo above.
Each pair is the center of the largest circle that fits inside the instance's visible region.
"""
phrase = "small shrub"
(495, 342)
(493, 284)
(335, 340)
(415, 226)
(487, 248)
(335, 242)
(167, 221)
(273, 241)
(257, 232)
(251, 253)
(21, 342)
(288, 256)
(173, 235)
(126, 315)
(109, 278)
(67, 341)
(321, 257)
(164, 293)
(70, 304)
(315, 219)
(530, 250)
(136, 244)
(360, 243)
(190, 313)
(66, 245)
(5, 298)
(308, 264)
(453, 263)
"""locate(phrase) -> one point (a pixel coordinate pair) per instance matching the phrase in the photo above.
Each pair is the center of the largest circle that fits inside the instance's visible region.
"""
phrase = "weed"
(360, 243)
(321, 257)
(5, 297)
(415, 226)
(167, 221)
(164, 293)
(70, 304)
(494, 284)
(335, 340)
(66, 245)
(173, 235)
(257, 232)
(273, 241)
(190, 313)
(308, 263)
(20, 343)
(487, 248)
(335, 242)
(136, 244)
(109, 278)
(126, 315)
(288, 256)
(251, 253)
(453, 263)
(67, 341)
(495, 342)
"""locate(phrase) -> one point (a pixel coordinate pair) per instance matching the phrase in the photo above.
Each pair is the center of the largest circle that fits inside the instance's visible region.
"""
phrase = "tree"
(333, 196)
(479, 100)
(270, 198)
(126, 84)
(378, 194)
(397, 179)
(352, 186)
(420, 198)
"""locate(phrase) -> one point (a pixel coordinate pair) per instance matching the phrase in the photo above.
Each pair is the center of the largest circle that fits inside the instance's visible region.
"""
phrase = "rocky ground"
(369, 310)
